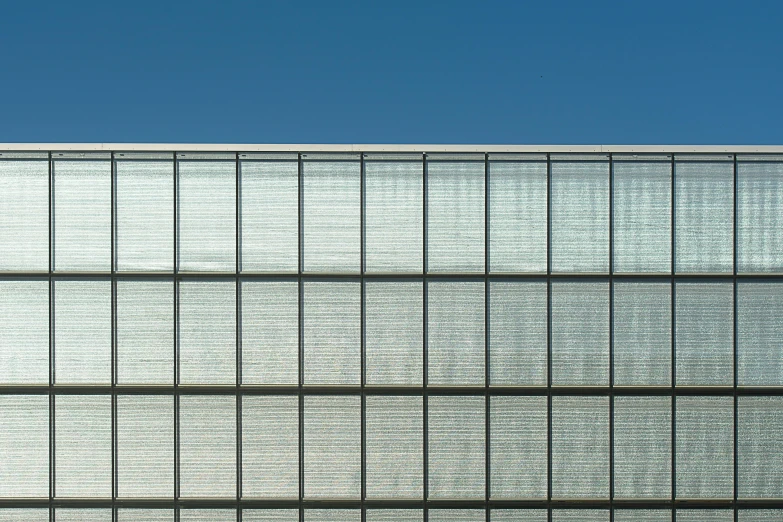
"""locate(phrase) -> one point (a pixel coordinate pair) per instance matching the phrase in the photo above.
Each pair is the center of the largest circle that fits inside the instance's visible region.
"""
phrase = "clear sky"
(521, 72)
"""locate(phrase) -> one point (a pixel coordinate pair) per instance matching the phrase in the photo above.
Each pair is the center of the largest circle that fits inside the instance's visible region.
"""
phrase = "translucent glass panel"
(144, 206)
(24, 439)
(332, 447)
(642, 216)
(270, 332)
(147, 515)
(145, 446)
(704, 313)
(394, 451)
(456, 447)
(270, 515)
(705, 447)
(206, 216)
(455, 216)
(642, 333)
(332, 515)
(270, 446)
(579, 199)
(642, 447)
(455, 340)
(580, 515)
(207, 332)
(332, 216)
(208, 515)
(518, 515)
(759, 216)
(207, 446)
(395, 515)
(145, 331)
(642, 515)
(394, 213)
(705, 515)
(332, 332)
(580, 333)
(517, 333)
(759, 333)
(269, 215)
(82, 333)
(24, 514)
(580, 447)
(704, 216)
(83, 455)
(457, 515)
(760, 515)
(394, 332)
(760, 447)
(24, 215)
(518, 447)
(517, 216)
(82, 215)
(24, 332)
(82, 515)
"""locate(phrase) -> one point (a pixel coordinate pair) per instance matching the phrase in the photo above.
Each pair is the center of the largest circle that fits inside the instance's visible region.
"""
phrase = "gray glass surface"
(24, 331)
(24, 215)
(24, 439)
(759, 216)
(759, 333)
(760, 447)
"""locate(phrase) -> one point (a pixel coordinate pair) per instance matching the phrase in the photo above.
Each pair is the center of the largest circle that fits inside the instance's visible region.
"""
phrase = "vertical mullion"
(734, 344)
(238, 326)
(363, 348)
(51, 342)
(114, 469)
(425, 333)
(549, 335)
(673, 290)
(301, 334)
(487, 397)
(176, 340)
(611, 338)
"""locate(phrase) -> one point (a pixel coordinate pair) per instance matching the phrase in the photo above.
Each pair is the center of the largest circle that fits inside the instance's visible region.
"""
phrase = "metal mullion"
(734, 347)
(611, 336)
(363, 347)
(487, 399)
(113, 268)
(238, 325)
(549, 335)
(425, 357)
(673, 315)
(176, 342)
(300, 202)
(51, 345)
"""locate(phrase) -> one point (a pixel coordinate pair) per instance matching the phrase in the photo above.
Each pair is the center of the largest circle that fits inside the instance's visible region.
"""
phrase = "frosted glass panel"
(580, 333)
(24, 215)
(705, 447)
(759, 217)
(207, 216)
(24, 332)
(208, 515)
(760, 515)
(455, 341)
(642, 333)
(455, 216)
(704, 216)
(518, 515)
(332, 447)
(393, 332)
(518, 447)
(83, 446)
(394, 213)
(24, 439)
(24, 514)
(517, 333)
(207, 332)
(457, 515)
(579, 198)
(270, 515)
(395, 515)
(642, 216)
(705, 333)
(580, 447)
(269, 215)
(643, 515)
(146, 515)
(517, 216)
(332, 332)
(332, 216)
(760, 447)
(580, 515)
(270, 332)
(332, 515)
(82, 515)
(82, 334)
(759, 333)
(705, 515)
(82, 215)
(144, 215)
(456, 447)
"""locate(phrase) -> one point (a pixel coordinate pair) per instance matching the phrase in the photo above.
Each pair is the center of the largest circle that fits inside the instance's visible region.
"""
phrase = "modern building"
(391, 333)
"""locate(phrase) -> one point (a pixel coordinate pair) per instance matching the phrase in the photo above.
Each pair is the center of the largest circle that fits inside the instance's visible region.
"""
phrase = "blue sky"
(392, 72)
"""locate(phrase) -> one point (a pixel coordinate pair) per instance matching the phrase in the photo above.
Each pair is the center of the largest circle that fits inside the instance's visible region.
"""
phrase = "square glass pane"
(24, 215)
(760, 447)
(759, 217)
(332, 447)
(332, 332)
(82, 332)
(24, 332)
(207, 446)
(208, 515)
(455, 333)
(24, 514)
(332, 515)
(394, 447)
(705, 515)
(760, 515)
(642, 216)
(517, 216)
(759, 333)
(580, 333)
(643, 515)
(642, 333)
(207, 332)
(518, 447)
(147, 515)
(580, 447)
(270, 515)
(455, 216)
(394, 214)
(457, 515)
(395, 515)
(145, 215)
(270, 446)
(82, 215)
(24, 439)
(705, 447)
(206, 213)
(580, 515)
(456, 437)
(518, 515)
(82, 455)
(394, 332)
(269, 215)
(270, 332)
(82, 515)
